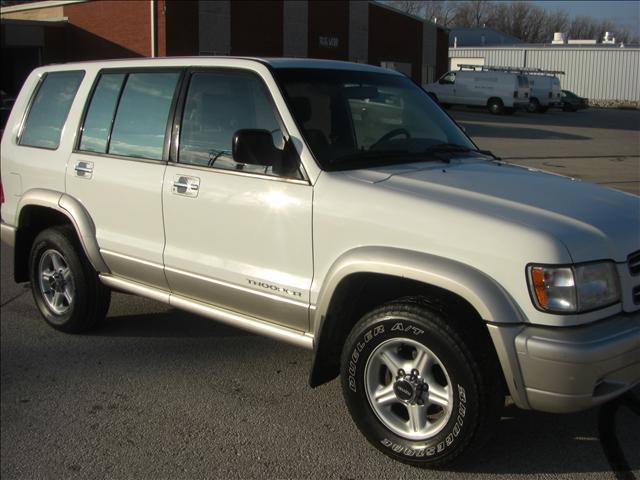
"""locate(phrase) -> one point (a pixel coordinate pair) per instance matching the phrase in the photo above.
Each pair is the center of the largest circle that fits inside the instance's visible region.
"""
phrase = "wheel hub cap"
(56, 282)
(410, 388)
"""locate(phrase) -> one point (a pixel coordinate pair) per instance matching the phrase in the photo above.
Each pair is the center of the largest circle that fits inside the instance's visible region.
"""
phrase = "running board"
(222, 315)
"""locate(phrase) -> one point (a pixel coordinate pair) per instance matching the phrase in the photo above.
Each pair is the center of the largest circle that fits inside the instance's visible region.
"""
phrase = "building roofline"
(391, 8)
(453, 30)
(549, 46)
(49, 22)
(36, 5)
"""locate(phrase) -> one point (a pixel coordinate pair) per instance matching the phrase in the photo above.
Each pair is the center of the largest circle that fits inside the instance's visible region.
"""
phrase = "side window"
(142, 114)
(49, 109)
(448, 79)
(97, 124)
(218, 104)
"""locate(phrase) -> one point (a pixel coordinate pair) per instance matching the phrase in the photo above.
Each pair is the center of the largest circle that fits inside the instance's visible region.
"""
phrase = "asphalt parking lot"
(156, 393)
(596, 145)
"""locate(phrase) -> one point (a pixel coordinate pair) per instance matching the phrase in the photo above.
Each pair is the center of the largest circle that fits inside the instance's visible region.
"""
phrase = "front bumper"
(569, 369)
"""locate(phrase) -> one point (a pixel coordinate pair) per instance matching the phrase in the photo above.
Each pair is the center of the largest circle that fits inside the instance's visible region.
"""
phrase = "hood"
(593, 222)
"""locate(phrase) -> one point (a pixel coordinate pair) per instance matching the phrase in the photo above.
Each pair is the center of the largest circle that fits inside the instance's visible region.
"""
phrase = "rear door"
(117, 168)
(238, 236)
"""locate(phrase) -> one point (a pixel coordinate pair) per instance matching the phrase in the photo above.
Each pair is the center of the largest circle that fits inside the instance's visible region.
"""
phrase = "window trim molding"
(177, 125)
(127, 71)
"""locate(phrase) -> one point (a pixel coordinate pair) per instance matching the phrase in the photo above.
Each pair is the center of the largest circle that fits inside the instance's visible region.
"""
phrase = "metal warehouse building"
(371, 32)
(604, 73)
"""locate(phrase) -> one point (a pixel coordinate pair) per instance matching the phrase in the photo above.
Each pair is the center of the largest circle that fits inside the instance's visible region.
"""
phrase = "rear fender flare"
(77, 215)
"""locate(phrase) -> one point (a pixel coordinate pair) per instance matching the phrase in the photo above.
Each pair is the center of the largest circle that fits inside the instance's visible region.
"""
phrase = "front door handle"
(185, 185)
(84, 169)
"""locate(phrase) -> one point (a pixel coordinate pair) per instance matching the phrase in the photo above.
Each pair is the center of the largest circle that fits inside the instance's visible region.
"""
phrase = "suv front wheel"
(65, 286)
(416, 388)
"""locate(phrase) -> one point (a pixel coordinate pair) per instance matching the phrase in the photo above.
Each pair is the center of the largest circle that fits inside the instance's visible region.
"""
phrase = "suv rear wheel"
(418, 390)
(65, 287)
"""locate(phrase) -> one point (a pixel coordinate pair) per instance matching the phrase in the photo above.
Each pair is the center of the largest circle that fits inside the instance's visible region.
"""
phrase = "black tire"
(90, 299)
(533, 106)
(468, 361)
(495, 106)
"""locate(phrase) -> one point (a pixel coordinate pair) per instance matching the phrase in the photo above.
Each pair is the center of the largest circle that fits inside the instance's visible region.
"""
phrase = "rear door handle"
(84, 169)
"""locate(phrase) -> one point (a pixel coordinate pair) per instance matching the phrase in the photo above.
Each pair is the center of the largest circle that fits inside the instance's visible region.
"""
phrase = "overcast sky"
(625, 13)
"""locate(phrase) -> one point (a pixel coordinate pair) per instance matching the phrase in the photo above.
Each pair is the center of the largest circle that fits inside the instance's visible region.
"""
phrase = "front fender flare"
(489, 299)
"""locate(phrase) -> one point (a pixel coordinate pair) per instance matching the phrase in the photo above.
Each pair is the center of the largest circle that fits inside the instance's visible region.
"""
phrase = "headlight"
(579, 288)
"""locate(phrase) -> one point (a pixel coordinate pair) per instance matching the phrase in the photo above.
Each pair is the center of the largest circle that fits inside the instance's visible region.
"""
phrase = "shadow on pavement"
(528, 442)
(172, 323)
(476, 130)
(612, 119)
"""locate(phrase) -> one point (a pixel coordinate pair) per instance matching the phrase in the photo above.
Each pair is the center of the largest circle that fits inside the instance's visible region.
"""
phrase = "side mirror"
(255, 147)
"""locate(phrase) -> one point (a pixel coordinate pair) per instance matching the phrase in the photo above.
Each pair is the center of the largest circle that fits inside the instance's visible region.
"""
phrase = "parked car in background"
(544, 92)
(570, 102)
(500, 92)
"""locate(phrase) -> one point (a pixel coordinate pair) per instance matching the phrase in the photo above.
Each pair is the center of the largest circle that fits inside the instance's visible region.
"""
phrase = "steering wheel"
(389, 135)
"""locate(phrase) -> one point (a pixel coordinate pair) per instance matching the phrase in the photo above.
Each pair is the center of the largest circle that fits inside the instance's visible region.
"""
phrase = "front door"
(447, 89)
(238, 236)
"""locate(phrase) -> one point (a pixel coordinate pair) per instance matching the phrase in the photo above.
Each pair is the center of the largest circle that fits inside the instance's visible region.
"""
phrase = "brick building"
(44, 32)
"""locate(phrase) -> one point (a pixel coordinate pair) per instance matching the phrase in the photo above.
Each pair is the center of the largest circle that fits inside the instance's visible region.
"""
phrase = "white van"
(500, 92)
(544, 92)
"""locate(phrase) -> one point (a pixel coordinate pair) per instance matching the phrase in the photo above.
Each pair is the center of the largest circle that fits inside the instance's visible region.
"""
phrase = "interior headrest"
(301, 108)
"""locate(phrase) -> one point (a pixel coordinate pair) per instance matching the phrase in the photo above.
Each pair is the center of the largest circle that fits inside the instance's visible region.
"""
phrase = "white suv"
(337, 207)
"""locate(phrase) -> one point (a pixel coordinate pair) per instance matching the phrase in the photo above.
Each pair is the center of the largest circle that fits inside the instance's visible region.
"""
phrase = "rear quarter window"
(49, 109)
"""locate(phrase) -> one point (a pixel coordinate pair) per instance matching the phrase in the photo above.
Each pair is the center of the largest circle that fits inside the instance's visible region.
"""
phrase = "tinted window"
(50, 109)
(349, 118)
(97, 124)
(218, 104)
(141, 120)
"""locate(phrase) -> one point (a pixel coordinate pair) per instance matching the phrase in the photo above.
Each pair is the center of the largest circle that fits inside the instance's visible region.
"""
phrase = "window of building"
(218, 104)
(97, 124)
(50, 108)
(142, 114)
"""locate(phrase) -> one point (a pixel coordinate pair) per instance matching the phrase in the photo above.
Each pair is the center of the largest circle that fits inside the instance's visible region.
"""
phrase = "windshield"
(353, 119)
